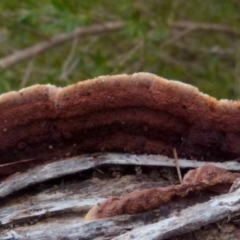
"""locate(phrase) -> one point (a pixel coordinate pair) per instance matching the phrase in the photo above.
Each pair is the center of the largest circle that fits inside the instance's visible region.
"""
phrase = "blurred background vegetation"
(194, 41)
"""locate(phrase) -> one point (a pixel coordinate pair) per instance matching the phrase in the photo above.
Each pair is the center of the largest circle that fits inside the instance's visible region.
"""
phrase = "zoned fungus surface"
(139, 113)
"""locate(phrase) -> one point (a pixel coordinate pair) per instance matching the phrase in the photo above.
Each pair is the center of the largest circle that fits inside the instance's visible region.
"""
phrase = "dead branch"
(182, 25)
(58, 40)
(237, 71)
(215, 50)
(177, 165)
(176, 38)
(27, 73)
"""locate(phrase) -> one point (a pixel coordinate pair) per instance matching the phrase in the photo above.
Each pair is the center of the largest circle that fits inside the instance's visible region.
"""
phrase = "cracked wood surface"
(67, 166)
(36, 213)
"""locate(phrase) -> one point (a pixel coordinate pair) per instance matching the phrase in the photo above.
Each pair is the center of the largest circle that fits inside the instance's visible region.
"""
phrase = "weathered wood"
(129, 227)
(70, 229)
(189, 219)
(37, 216)
(87, 161)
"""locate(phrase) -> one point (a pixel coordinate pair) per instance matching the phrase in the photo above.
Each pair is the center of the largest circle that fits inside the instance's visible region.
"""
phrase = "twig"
(126, 57)
(215, 50)
(237, 71)
(178, 37)
(185, 66)
(58, 40)
(188, 27)
(136, 48)
(65, 70)
(27, 73)
(8, 17)
(135, 67)
(14, 163)
(205, 27)
(177, 165)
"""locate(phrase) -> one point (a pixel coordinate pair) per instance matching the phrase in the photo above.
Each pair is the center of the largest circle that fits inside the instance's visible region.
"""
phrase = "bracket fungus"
(139, 113)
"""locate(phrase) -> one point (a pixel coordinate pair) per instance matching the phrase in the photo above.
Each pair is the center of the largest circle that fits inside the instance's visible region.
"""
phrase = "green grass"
(144, 44)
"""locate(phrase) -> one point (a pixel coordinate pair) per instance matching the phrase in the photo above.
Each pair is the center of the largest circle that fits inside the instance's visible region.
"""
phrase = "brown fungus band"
(139, 113)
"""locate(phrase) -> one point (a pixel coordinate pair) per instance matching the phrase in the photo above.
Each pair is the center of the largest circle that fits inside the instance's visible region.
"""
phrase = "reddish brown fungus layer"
(140, 113)
(205, 177)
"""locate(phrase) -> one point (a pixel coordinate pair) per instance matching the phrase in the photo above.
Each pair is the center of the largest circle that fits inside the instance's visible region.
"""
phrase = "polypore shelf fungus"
(139, 113)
